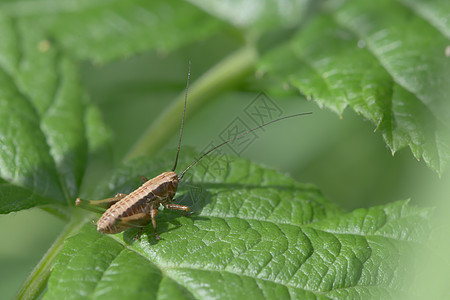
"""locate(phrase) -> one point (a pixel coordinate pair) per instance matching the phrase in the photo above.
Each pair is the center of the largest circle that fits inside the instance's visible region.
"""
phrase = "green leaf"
(48, 128)
(384, 60)
(44, 136)
(256, 13)
(254, 233)
(104, 30)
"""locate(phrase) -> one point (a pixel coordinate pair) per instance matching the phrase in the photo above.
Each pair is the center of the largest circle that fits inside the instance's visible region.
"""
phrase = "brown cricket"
(138, 208)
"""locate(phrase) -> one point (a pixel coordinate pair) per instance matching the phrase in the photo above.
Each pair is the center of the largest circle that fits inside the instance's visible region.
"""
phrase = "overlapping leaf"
(104, 30)
(42, 123)
(45, 120)
(385, 61)
(255, 233)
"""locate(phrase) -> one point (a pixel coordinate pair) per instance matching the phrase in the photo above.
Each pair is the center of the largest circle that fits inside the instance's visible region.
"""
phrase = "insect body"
(140, 207)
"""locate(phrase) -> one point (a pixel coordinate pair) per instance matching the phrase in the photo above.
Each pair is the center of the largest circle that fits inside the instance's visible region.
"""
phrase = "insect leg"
(99, 205)
(153, 213)
(176, 206)
(136, 220)
(139, 220)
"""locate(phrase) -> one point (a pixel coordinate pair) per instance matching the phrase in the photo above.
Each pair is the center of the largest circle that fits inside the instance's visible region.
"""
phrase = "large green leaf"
(45, 122)
(106, 30)
(386, 61)
(254, 233)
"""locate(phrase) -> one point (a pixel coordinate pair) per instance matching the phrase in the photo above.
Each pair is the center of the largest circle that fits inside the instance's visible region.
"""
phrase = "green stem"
(225, 74)
(37, 280)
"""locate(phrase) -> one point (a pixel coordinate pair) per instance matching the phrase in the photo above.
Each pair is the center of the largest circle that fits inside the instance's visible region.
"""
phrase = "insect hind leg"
(153, 213)
(99, 205)
(139, 220)
(176, 207)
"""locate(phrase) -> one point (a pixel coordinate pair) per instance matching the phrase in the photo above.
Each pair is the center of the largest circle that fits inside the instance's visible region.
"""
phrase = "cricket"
(140, 207)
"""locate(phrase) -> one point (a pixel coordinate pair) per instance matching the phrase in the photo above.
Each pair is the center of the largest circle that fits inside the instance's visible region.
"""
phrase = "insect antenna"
(236, 137)
(182, 119)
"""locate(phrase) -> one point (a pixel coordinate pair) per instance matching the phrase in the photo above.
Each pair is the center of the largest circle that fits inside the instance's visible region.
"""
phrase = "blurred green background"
(342, 156)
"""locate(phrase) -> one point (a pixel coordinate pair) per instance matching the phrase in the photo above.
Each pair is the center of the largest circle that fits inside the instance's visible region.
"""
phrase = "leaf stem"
(223, 75)
(37, 280)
